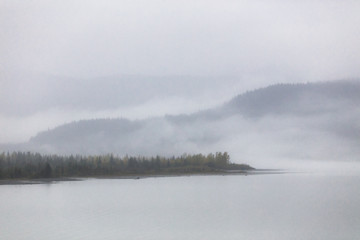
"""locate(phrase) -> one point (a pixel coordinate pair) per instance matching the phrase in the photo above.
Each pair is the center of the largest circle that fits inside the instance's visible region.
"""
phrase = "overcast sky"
(230, 45)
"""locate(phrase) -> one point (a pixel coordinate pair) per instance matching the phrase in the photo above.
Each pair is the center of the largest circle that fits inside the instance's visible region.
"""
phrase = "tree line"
(17, 165)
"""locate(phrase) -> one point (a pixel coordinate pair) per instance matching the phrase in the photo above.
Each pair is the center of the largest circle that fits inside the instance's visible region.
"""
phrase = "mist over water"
(273, 83)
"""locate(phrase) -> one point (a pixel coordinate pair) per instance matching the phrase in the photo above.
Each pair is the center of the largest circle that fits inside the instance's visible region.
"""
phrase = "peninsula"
(27, 165)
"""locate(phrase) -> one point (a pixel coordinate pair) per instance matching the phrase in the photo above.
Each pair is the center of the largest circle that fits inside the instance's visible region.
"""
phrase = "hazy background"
(69, 60)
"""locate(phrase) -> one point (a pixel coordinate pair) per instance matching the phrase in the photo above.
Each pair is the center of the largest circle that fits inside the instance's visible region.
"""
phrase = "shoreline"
(140, 176)
(38, 181)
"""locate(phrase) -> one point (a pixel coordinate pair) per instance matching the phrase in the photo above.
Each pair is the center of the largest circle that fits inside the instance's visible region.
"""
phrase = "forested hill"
(314, 120)
(297, 99)
(293, 99)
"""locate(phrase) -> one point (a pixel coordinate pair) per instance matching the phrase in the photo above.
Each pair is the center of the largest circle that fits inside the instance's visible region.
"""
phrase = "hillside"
(315, 120)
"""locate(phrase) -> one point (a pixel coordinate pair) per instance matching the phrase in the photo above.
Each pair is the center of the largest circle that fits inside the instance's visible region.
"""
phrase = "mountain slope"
(317, 120)
(291, 99)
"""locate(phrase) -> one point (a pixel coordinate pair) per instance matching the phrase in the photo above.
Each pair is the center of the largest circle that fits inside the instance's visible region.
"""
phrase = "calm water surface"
(285, 206)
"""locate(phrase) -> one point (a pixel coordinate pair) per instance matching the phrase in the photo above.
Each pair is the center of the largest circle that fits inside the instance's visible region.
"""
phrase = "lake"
(275, 206)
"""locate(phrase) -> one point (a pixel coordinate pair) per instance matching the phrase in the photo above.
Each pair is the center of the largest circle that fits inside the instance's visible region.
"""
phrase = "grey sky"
(305, 39)
(252, 43)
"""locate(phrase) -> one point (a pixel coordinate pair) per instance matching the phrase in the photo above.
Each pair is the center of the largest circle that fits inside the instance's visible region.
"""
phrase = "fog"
(281, 126)
(65, 61)
(52, 101)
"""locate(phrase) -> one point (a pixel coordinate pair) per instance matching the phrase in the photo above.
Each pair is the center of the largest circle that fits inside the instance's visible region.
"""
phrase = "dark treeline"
(19, 165)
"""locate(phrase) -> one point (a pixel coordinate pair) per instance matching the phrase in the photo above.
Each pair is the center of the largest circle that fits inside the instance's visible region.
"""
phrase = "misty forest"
(324, 115)
(20, 165)
(282, 121)
(241, 118)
